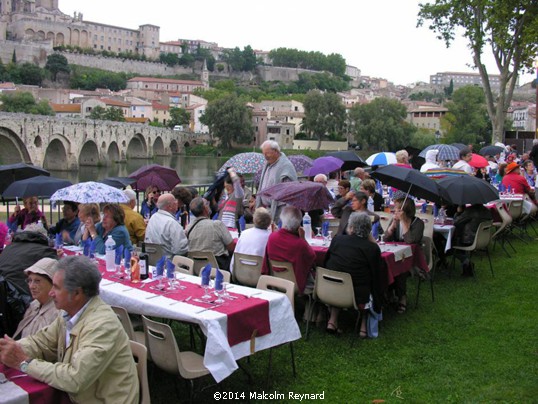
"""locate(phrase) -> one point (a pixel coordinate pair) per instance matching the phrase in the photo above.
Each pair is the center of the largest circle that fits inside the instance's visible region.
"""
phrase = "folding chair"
(247, 269)
(480, 243)
(201, 259)
(140, 355)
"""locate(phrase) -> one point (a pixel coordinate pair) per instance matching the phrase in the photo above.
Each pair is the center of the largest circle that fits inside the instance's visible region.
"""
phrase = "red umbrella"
(305, 195)
(165, 178)
(477, 161)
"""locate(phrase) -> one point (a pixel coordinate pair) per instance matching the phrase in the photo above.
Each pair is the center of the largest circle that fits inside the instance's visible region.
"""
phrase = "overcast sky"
(379, 37)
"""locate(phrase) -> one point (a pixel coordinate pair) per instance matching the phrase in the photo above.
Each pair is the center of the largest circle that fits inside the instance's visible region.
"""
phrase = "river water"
(191, 169)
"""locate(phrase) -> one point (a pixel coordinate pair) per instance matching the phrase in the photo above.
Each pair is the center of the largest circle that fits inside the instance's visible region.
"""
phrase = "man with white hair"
(289, 245)
(431, 161)
(164, 229)
(277, 169)
(134, 222)
(358, 177)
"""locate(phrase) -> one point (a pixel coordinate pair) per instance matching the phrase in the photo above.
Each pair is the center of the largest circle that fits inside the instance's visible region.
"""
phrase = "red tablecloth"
(38, 392)
(245, 315)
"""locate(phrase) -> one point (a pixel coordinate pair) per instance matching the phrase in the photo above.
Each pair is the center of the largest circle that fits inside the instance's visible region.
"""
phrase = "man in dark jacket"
(26, 248)
(467, 221)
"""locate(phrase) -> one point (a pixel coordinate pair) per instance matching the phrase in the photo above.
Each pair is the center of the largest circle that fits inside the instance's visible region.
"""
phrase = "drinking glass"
(319, 231)
(172, 283)
(219, 294)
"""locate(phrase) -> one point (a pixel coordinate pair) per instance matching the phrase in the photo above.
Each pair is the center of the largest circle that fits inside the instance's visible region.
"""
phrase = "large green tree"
(57, 63)
(508, 27)
(229, 120)
(107, 114)
(466, 120)
(178, 116)
(324, 115)
(24, 102)
(380, 125)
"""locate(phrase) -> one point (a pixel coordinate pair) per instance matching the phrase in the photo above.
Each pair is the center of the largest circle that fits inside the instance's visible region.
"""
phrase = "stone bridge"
(66, 143)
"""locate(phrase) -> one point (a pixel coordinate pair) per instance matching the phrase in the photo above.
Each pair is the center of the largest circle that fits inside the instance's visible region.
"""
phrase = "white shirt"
(70, 322)
(164, 229)
(463, 165)
(253, 242)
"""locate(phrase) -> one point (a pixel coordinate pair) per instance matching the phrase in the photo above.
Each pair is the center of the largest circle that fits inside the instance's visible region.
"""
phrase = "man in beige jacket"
(85, 352)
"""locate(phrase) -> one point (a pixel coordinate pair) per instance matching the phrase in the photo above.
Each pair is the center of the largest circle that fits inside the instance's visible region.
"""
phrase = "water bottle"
(307, 226)
(110, 254)
(370, 204)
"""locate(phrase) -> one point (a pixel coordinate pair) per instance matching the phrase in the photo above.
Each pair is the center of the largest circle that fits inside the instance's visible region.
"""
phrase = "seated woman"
(29, 214)
(231, 202)
(184, 197)
(111, 225)
(149, 204)
(42, 310)
(404, 226)
(86, 212)
(368, 187)
(359, 255)
(358, 204)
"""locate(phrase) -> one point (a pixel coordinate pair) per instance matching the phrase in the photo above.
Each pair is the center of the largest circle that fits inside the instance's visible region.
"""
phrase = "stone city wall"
(33, 52)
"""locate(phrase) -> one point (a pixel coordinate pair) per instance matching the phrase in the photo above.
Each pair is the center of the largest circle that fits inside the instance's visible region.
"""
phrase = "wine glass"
(319, 231)
(219, 293)
(330, 237)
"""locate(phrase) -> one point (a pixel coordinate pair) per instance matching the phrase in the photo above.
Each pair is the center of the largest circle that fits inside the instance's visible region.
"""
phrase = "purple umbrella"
(165, 178)
(305, 195)
(300, 163)
(324, 165)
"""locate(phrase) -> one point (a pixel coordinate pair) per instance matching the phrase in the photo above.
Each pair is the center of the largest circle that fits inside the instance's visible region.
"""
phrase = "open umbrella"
(245, 163)
(409, 180)
(90, 192)
(300, 162)
(446, 151)
(305, 195)
(350, 159)
(477, 161)
(20, 171)
(35, 186)
(459, 146)
(381, 159)
(464, 189)
(491, 150)
(324, 165)
(165, 178)
(118, 182)
(438, 173)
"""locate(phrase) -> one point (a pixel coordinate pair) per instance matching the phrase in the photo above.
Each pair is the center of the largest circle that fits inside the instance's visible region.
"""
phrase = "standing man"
(133, 220)
(463, 163)
(164, 229)
(277, 169)
(86, 351)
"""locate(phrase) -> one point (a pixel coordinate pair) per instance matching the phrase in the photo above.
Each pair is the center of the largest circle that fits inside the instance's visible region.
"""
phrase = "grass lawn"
(476, 343)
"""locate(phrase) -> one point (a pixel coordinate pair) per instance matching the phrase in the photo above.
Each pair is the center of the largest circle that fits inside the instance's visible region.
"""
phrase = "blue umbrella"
(381, 159)
(41, 185)
(446, 152)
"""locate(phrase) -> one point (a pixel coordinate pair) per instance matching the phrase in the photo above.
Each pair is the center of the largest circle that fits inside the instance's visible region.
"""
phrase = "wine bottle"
(143, 261)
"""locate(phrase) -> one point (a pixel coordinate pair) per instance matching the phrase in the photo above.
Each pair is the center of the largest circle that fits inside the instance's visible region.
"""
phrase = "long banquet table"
(224, 345)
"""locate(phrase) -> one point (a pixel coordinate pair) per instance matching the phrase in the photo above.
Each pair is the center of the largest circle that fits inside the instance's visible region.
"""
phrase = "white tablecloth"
(13, 394)
(219, 357)
(400, 251)
(447, 231)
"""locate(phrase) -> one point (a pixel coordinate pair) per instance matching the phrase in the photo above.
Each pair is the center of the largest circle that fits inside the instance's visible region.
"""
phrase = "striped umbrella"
(438, 173)
(446, 152)
(381, 159)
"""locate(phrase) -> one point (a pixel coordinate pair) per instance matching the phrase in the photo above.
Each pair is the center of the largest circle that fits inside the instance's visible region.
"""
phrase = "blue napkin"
(160, 266)
(86, 250)
(119, 254)
(206, 273)
(215, 216)
(219, 278)
(242, 223)
(127, 258)
(93, 246)
(379, 187)
(424, 206)
(58, 242)
(325, 229)
(375, 230)
(509, 189)
(435, 211)
(170, 268)
(390, 193)
(279, 224)
(501, 187)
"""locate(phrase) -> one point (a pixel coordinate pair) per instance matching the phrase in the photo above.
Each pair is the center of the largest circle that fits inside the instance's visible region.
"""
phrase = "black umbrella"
(350, 159)
(459, 146)
(464, 189)
(414, 159)
(19, 171)
(41, 186)
(491, 150)
(118, 182)
(407, 179)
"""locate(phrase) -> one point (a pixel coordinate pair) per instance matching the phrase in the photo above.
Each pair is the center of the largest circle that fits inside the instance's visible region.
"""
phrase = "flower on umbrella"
(245, 163)
(90, 192)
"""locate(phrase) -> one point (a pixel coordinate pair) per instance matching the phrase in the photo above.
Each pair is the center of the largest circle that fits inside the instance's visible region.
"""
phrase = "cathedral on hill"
(42, 20)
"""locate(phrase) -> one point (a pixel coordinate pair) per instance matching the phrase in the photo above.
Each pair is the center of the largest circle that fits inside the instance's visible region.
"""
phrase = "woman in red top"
(516, 181)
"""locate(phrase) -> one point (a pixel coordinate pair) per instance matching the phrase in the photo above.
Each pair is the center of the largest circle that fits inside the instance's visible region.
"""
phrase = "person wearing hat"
(41, 311)
(431, 161)
(517, 183)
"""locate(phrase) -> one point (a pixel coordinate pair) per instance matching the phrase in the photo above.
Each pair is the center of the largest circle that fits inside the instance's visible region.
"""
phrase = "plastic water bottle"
(110, 254)
(307, 226)
(370, 204)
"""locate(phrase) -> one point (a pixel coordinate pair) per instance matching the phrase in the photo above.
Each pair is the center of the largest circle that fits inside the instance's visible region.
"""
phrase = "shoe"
(468, 270)
(402, 307)
(332, 329)
(363, 334)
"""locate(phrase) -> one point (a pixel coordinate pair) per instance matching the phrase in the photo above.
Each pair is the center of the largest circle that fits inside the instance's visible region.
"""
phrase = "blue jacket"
(64, 225)
(118, 233)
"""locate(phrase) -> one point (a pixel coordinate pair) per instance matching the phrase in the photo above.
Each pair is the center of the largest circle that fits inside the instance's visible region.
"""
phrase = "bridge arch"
(56, 156)
(137, 148)
(113, 152)
(12, 149)
(89, 154)
(158, 147)
(174, 147)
